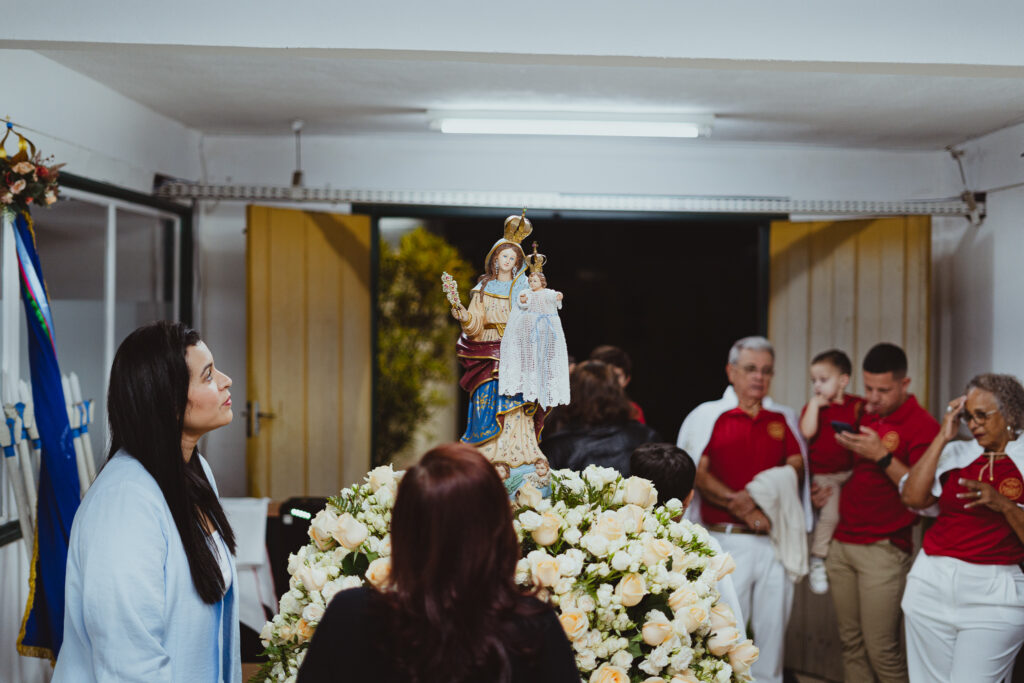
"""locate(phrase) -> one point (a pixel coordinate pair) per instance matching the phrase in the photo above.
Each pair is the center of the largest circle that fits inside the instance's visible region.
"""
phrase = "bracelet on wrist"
(885, 461)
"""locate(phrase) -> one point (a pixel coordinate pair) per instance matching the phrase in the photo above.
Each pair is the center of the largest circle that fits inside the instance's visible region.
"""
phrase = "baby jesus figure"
(534, 360)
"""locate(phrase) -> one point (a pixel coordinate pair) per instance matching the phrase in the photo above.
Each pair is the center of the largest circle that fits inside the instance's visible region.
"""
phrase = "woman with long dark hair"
(150, 576)
(597, 427)
(450, 611)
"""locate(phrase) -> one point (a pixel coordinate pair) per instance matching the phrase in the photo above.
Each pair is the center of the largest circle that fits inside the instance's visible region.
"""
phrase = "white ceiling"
(258, 91)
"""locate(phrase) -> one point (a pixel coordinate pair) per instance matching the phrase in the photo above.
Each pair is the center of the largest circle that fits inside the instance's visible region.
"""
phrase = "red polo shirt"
(870, 509)
(742, 446)
(977, 534)
(824, 452)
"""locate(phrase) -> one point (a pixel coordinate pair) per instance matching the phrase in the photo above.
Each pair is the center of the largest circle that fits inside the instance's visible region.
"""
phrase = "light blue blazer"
(131, 612)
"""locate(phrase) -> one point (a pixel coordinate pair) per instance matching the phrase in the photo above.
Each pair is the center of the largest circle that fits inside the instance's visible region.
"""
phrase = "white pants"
(765, 596)
(965, 622)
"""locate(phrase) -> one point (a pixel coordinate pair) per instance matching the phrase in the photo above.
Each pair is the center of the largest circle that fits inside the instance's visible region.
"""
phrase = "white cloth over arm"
(248, 519)
(695, 434)
(775, 492)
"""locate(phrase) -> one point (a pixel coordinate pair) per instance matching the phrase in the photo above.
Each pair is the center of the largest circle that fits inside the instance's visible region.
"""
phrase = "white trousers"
(765, 595)
(965, 622)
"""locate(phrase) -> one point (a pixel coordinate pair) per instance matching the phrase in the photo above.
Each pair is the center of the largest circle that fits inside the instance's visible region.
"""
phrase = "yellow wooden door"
(309, 351)
(846, 285)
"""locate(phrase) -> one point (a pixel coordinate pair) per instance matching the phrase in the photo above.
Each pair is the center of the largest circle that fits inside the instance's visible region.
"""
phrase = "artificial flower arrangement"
(634, 586)
(26, 178)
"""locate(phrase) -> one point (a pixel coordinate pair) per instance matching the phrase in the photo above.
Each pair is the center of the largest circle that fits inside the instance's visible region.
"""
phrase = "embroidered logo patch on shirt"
(776, 430)
(891, 441)
(1011, 488)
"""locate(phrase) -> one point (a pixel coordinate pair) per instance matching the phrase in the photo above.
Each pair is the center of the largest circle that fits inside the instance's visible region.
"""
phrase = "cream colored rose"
(17, 186)
(656, 550)
(640, 491)
(631, 517)
(547, 532)
(321, 529)
(653, 679)
(682, 598)
(693, 617)
(723, 564)
(303, 631)
(379, 571)
(657, 631)
(546, 571)
(721, 641)
(722, 616)
(330, 590)
(743, 655)
(609, 674)
(313, 578)
(631, 589)
(350, 532)
(685, 677)
(609, 526)
(383, 476)
(23, 167)
(595, 544)
(49, 198)
(575, 623)
(312, 613)
(528, 496)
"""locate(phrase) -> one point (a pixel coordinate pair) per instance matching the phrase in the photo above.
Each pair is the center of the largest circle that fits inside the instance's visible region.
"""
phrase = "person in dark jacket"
(449, 611)
(598, 428)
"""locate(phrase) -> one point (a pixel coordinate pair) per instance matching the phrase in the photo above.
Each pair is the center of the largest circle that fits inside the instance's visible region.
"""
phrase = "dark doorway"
(674, 292)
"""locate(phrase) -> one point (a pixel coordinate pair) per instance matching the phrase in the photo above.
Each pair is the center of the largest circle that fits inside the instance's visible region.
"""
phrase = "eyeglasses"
(751, 369)
(981, 417)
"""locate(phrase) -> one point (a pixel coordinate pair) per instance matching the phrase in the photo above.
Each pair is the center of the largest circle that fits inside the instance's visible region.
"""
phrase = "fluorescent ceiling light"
(572, 123)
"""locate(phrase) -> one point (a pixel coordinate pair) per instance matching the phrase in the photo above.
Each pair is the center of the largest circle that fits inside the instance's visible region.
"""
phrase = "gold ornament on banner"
(26, 178)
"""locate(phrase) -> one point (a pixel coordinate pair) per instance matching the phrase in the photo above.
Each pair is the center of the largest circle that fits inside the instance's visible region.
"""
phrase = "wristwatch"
(884, 461)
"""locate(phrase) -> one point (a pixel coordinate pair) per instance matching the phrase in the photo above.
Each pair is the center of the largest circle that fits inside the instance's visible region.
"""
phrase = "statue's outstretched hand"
(459, 313)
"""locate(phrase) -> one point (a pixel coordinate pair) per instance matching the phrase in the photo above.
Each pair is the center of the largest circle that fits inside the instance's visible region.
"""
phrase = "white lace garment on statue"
(534, 360)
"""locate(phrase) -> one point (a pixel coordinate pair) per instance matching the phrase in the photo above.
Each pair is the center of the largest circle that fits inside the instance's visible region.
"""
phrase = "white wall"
(977, 272)
(871, 31)
(96, 131)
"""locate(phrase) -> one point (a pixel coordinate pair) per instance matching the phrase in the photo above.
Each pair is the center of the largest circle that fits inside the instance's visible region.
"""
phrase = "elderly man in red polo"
(744, 443)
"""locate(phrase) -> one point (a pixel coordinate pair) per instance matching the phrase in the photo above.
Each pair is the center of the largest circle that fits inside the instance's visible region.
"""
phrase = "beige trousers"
(867, 584)
(828, 517)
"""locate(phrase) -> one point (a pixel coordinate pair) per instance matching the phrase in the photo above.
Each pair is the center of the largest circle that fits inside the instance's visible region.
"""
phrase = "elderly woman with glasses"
(964, 601)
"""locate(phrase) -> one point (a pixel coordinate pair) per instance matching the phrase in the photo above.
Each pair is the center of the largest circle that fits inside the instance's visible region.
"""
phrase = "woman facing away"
(450, 611)
(597, 427)
(964, 600)
(150, 588)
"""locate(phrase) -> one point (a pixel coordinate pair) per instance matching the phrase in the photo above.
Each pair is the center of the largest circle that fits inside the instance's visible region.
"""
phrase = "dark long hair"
(452, 592)
(597, 397)
(146, 405)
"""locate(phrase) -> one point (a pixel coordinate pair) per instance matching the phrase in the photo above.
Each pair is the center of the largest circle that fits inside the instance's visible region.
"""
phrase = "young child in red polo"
(830, 463)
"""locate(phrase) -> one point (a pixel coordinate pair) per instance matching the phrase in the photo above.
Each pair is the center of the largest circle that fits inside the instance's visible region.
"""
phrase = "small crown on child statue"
(517, 228)
(536, 261)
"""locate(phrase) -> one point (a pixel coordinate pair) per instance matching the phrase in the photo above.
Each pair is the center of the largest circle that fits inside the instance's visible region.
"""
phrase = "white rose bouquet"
(349, 545)
(634, 589)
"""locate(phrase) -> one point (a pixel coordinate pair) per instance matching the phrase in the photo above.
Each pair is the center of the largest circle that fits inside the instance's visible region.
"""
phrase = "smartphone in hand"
(840, 427)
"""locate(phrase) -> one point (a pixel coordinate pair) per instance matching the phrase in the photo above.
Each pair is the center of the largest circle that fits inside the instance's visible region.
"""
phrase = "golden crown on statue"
(536, 261)
(517, 228)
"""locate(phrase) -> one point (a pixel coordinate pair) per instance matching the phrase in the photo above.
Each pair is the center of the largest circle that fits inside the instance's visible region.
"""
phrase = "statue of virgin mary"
(505, 429)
